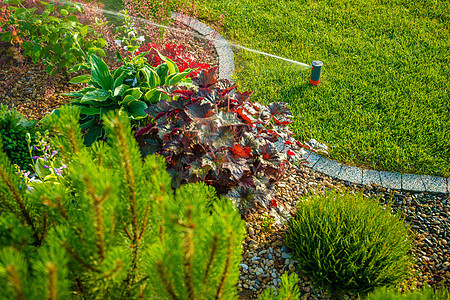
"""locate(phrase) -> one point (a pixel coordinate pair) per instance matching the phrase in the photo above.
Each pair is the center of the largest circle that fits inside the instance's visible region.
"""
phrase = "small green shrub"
(348, 243)
(425, 294)
(50, 33)
(288, 289)
(13, 130)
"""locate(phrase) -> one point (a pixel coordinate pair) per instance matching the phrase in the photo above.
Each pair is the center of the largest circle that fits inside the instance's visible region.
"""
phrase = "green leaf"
(151, 76)
(100, 73)
(152, 96)
(87, 124)
(96, 50)
(19, 11)
(96, 95)
(135, 92)
(118, 56)
(54, 19)
(78, 67)
(49, 69)
(162, 70)
(94, 133)
(5, 36)
(91, 110)
(175, 78)
(120, 90)
(136, 109)
(80, 79)
(127, 99)
(37, 50)
(73, 18)
(101, 43)
(170, 64)
(84, 31)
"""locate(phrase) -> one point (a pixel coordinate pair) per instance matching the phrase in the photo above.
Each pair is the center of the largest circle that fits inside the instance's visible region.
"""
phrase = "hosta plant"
(130, 88)
(177, 53)
(214, 133)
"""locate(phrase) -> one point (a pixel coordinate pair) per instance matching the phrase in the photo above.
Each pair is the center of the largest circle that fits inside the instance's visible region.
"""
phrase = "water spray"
(316, 65)
(315, 72)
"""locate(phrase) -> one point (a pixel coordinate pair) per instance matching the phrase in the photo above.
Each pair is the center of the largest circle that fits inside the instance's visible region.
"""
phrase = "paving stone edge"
(396, 181)
(223, 49)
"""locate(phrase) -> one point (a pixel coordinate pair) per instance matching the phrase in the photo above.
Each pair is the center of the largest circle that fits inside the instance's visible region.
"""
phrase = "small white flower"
(126, 48)
(141, 38)
(118, 42)
(131, 33)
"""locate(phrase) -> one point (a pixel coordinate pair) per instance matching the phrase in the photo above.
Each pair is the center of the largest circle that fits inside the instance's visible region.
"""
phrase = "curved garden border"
(396, 181)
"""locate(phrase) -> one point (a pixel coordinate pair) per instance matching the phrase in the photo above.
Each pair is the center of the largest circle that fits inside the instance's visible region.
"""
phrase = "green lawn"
(384, 98)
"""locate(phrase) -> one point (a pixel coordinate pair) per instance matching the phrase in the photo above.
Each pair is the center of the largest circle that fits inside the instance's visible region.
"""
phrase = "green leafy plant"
(121, 233)
(215, 134)
(427, 293)
(267, 223)
(51, 34)
(14, 128)
(349, 243)
(132, 88)
(288, 289)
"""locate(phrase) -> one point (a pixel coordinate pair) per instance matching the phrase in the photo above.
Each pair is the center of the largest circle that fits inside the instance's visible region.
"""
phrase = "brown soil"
(26, 87)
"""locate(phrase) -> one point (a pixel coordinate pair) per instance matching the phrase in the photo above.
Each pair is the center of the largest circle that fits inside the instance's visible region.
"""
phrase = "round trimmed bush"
(349, 243)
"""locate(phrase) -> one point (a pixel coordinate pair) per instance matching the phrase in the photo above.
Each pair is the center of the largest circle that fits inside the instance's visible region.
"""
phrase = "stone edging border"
(396, 181)
(223, 49)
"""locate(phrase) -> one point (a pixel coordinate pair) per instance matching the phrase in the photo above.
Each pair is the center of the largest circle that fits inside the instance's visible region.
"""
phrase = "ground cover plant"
(383, 101)
(348, 243)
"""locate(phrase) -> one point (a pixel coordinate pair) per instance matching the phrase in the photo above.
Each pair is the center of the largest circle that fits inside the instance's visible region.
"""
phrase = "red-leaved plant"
(213, 133)
(177, 53)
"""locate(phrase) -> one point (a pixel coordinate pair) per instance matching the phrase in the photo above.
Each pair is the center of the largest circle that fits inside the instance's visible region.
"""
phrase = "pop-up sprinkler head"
(315, 73)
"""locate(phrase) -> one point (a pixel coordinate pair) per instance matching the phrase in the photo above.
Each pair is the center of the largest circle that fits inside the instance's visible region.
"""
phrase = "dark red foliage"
(215, 134)
(177, 53)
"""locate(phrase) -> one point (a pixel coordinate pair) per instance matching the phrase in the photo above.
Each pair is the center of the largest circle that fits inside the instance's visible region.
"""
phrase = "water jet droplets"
(211, 39)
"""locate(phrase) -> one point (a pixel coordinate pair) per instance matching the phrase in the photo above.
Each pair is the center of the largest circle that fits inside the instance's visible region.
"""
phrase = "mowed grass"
(383, 102)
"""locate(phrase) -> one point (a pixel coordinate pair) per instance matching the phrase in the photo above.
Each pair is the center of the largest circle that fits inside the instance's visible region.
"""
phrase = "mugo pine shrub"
(427, 293)
(348, 243)
(114, 228)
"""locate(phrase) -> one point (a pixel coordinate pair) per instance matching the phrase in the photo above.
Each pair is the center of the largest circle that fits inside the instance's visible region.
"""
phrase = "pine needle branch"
(44, 226)
(212, 256)
(97, 205)
(52, 282)
(59, 206)
(78, 258)
(15, 282)
(227, 267)
(18, 199)
(127, 232)
(167, 284)
(188, 253)
(145, 222)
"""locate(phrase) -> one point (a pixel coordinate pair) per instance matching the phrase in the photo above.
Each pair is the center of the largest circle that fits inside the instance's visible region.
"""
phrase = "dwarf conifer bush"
(348, 243)
(424, 294)
(114, 228)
